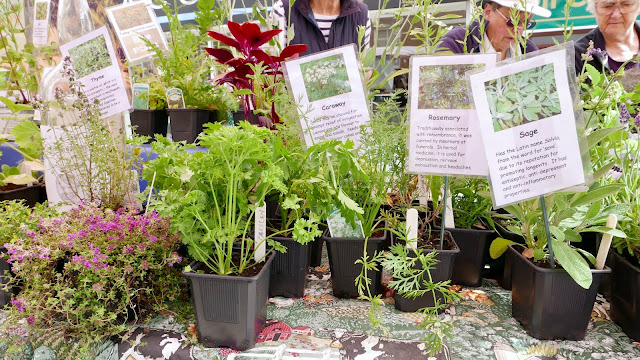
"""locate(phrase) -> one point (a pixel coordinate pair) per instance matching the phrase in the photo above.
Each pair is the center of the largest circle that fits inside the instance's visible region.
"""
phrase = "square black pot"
(442, 271)
(32, 195)
(343, 253)
(548, 302)
(150, 122)
(625, 294)
(289, 270)
(187, 124)
(230, 310)
(468, 266)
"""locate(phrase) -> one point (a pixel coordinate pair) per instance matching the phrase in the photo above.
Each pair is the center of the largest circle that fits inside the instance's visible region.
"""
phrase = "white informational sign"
(444, 132)
(328, 88)
(41, 13)
(96, 67)
(528, 128)
(133, 21)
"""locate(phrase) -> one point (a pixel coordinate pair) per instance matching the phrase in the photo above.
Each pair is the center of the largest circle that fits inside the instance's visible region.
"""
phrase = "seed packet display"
(41, 9)
(444, 132)
(141, 96)
(329, 91)
(526, 111)
(94, 62)
(132, 22)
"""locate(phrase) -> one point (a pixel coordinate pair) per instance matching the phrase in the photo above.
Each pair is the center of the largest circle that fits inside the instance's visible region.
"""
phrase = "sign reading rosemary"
(529, 127)
(444, 132)
(327, 86)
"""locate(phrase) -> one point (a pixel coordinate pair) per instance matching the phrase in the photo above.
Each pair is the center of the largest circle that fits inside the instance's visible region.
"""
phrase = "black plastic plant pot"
(315, 253)
(187, 124)
(442, 271)
(469, 263)
(230, 310)
(500, 268)
(150, 122)
(5, 297)
(30, 194)
(289, 270)
(548, 302)
(343, 253)
(625, 294)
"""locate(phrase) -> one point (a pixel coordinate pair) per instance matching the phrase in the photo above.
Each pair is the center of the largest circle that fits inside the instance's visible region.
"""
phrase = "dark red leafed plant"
(256, 90)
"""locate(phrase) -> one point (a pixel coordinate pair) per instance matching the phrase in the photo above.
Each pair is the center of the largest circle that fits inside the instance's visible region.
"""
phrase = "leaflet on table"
(96, 67)
(329, 91)
(133, 21)
(444, 132)
(528, 127)
(40, 27)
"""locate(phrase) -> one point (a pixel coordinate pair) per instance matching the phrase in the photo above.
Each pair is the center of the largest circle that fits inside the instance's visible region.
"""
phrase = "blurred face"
(501, 31)
(615, 17)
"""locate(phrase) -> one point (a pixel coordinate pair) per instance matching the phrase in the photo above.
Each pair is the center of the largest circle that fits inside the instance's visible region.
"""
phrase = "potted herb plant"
(79, 282)
(153, 118)
(212, 197)
(187, 67)
(536, 299)
(473, 232)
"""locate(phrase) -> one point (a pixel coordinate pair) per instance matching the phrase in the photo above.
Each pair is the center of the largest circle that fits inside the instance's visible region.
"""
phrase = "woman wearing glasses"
(504, 25)
(615, 40)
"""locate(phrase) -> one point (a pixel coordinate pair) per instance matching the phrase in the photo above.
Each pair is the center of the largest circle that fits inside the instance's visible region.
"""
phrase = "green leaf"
(499, 246)
(575, 265)
(596, 194)
(594, 210)
(20, 179)
(594, 74)
(588, 255)
(28, 138)
(242, 92)
(13, 107)
(348, 203)
(606, 230)
(572, 236)
(597, 136)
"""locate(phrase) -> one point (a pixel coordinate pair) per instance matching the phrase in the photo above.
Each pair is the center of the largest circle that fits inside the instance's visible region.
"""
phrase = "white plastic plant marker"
(422, 191)
(283, 352)
(448, 215)
(260, 233)
(605, 244)
(412, 229)
(153, 181)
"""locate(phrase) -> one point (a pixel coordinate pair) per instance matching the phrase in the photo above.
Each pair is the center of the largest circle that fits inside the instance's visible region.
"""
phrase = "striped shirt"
(323, 21)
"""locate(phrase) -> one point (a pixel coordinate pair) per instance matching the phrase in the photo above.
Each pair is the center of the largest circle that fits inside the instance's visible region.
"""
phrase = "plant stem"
(543, 206)
(444, 210)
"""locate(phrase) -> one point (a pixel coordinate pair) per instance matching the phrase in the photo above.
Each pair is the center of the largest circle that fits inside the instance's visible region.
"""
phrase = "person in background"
(500, 33)
(323, 24)
(615, 40)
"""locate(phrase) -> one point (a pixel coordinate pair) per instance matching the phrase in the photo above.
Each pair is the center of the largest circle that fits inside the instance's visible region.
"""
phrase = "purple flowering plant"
(612, 104)
(88, 273)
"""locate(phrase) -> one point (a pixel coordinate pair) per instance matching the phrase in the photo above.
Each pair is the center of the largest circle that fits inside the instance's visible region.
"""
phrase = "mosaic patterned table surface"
(320, 325)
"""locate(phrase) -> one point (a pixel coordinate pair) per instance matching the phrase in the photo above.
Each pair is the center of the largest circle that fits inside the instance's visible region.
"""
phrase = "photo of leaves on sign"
(326, 77)
(41, 10)
(90, 56)
(444, 86)
(131, 16)
(523, 97)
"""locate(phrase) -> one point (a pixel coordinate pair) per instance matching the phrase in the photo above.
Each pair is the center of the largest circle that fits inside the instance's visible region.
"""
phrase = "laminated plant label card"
(444, 132)
(132, 22)
(40, 30)
(528, 127)
(339, 227)
(328, 88)
(96, 67)
(141, 96)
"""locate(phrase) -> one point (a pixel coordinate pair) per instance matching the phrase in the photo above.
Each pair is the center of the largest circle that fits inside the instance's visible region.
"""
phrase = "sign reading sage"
(529, 128)
(444, 133)
(96, 67)
(327, 86)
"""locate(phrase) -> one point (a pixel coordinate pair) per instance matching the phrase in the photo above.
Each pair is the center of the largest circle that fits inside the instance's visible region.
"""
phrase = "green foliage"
(186, 65)
(80, 284)
(411, 271)
(211, 196)
(523, 97)
(157, 97)
(92, 163)
(471, 202)
(569, 214)
(18, 56)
